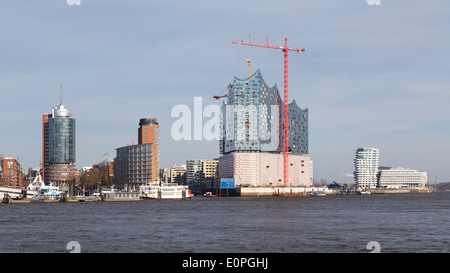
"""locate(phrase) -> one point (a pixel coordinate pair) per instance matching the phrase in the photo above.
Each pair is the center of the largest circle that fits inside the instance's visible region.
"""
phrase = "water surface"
(398, 222)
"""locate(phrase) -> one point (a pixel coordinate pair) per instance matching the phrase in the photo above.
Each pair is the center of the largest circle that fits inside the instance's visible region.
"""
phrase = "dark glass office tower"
(58, 146)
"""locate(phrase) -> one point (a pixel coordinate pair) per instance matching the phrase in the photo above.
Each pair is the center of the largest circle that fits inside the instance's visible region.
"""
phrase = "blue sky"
(371, 75)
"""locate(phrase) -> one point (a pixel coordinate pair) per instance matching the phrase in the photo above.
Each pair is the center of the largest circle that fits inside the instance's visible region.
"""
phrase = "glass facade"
(298, 129)
(61, 140)
(252, 119)
(251, 116)
(58, 145)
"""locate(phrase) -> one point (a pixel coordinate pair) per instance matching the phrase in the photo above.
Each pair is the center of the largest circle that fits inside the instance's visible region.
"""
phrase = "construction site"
(265, 137)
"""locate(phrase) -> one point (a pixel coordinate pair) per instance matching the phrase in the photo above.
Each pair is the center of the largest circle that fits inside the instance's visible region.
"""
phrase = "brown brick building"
(11, 174)
(136, 165)
(148, 133)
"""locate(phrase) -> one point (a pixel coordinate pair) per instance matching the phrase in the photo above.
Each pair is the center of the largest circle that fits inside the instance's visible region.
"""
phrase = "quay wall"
(391, 191)
(286, 191)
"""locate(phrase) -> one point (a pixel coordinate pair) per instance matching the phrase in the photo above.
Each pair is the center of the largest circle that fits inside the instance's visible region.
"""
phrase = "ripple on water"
(400, 223)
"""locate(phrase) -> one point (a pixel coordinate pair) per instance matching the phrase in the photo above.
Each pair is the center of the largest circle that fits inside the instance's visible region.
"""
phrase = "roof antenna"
(60, 100)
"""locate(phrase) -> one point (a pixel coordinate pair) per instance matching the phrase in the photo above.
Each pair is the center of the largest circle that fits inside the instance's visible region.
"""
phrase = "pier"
(275, 191)
(13, 193)
(394, 191)
(77, 199)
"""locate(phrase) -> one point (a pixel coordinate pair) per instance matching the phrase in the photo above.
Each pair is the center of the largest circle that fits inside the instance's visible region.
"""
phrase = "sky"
(370, 76)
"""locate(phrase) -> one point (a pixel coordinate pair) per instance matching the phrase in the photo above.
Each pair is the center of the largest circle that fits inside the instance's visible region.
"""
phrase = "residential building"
(199, 170)
(107, 167)
(366, 164)
(1, 168)
(394, 178)
(58, 146)
(209, 169)
(136, 165)
(164, 175)
(193, 171)
(11, 173)
(177, 174)
(148, 133)
(32, 174)
(106, 171)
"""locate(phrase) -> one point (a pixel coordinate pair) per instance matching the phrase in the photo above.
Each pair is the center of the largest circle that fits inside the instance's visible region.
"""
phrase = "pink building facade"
(265, 169)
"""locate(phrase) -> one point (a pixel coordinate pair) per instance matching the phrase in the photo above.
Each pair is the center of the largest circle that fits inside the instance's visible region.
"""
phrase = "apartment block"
(366, 164)
(136, 165)
(177, 174)
(199, 170)
(193, 171)
(11, 174)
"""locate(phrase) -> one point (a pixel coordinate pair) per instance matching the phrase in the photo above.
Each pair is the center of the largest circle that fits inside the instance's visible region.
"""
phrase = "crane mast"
(285, 50)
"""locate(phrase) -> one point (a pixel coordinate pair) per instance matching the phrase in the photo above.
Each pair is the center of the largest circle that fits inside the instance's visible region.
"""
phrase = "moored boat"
(165, 191)
(317, 193)
(37, 189)
(209, 194)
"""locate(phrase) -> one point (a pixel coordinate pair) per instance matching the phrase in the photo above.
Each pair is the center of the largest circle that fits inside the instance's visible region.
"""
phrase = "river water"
(405, 223)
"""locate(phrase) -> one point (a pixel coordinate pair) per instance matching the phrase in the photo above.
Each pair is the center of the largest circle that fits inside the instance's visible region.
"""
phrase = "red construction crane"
(285, 49)
(218, 97)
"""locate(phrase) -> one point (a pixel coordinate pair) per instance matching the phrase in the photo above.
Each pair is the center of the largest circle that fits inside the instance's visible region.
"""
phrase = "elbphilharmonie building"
(251, 141)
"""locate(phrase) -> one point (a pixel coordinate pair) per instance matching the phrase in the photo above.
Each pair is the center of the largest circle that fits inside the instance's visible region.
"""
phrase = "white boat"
(165, 191)
(317, 193)
(209, 194)
(364, 191)
(39, 189)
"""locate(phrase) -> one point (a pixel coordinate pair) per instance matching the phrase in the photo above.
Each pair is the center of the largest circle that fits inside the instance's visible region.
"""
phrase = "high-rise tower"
(148, 133)
(137, 165)
(366, 167)
(58, 146)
